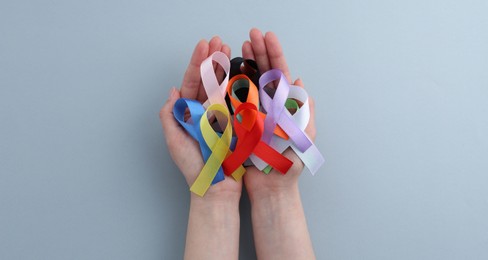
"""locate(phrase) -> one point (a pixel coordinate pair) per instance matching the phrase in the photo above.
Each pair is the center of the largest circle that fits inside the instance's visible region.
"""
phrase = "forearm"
(279, 225)
(213, 228)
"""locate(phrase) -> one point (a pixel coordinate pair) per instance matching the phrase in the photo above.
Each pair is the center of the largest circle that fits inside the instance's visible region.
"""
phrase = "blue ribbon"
(193, 128)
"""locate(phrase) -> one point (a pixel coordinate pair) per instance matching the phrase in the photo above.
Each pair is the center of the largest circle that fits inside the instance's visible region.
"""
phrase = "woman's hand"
(278, 219)
(213, 222)
(184, 150)
(267, 52)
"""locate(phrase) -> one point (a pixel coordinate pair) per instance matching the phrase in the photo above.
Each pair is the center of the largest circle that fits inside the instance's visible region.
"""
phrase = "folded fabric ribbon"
(311, 156)
(250, 94)
(214, 147)
(192, 126)
(260, 137)
(249, 130)
(275, 110)
(247, 67)
(215, 91)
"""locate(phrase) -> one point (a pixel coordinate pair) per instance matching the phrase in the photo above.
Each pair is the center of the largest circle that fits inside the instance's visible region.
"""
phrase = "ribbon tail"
(203, 181)
(258, 162)
(238, 173)
(210, 169)
(233, 163)
(311, 158)
(272, 157)
(206, 153)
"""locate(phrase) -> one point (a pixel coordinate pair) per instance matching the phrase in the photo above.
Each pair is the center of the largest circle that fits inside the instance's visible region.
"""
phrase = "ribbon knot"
(249, 131)
(214, 147)
(312, 158)
(242, 89)
(276, 112)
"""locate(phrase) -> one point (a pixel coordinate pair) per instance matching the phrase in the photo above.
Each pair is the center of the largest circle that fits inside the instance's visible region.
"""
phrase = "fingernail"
(172, 92)
(299, 79)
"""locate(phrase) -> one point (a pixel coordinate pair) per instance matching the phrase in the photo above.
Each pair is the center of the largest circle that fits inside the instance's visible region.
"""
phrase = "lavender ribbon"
(275, 111)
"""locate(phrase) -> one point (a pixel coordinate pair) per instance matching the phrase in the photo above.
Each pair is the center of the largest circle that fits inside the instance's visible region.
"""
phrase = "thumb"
(310, 129)
(298, 82)
(170, 125)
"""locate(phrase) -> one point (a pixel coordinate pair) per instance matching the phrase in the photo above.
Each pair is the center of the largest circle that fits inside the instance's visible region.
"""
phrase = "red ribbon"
(249, 132)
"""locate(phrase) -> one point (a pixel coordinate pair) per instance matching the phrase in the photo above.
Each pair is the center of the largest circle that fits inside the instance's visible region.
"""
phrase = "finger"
(298, 82)
(310, 129)
(247, 52)
(259, 49)
(170, 125)
(226, 50)
(275, 54)
(191, 80)
(215, 44)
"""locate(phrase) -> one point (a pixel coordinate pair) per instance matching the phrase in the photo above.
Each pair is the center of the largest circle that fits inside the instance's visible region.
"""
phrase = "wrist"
(217, 214)
(274, 194)
(220, 198)
(213, 226)
(277, 206)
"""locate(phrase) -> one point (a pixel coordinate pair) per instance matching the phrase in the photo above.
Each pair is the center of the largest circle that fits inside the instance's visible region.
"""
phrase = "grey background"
(401, 90)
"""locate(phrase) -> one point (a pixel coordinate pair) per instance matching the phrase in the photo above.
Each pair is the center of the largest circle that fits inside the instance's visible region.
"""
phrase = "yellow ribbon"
(220, 147)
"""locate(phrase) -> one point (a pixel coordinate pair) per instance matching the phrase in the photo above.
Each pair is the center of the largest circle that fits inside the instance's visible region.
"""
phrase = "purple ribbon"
(275, 107)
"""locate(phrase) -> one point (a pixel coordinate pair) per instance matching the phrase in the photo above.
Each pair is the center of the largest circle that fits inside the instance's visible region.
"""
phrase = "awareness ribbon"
(311, 157)
(242, 83)
(248, 67)
(275, 110)
(214, 147)
(249, 132)
(193, 127)
(215, 91)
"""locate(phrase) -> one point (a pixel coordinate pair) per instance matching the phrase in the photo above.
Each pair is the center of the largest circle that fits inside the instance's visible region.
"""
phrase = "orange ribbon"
(240, 82)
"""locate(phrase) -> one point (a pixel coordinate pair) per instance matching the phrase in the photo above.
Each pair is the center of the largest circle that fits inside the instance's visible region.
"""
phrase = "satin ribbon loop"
(215, 91)
(275, 110)
(249, 141)
(219, 143)
(241, 89)
(248, 67)
(311, 158)
(192, 126)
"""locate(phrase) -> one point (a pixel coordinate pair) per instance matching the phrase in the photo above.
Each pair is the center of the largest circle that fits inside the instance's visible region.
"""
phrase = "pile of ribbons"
(255, 123)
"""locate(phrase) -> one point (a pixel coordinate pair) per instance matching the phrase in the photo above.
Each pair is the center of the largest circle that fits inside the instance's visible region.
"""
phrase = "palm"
(184, 150)
(267, 52)
(258, 181)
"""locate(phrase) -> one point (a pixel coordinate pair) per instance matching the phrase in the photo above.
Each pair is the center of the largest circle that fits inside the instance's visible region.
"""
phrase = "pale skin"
(278, 220)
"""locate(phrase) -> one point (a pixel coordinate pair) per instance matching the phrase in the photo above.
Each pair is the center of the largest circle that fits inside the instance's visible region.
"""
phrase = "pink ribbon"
(215, 91)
